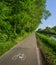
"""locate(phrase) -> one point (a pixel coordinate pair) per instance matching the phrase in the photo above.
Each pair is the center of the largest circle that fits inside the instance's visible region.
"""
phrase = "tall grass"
(49, 46)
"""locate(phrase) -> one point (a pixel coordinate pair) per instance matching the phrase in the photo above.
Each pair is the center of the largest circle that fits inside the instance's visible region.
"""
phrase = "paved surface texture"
(23, 53)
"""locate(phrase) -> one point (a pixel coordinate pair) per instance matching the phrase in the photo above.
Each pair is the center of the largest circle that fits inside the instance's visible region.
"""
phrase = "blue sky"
(51, 21)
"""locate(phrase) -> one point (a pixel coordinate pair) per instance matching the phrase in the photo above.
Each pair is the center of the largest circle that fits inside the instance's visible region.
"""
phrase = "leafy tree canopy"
(21, 15)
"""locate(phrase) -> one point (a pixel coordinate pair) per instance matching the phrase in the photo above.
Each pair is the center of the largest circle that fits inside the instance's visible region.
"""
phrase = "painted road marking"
(20, 56)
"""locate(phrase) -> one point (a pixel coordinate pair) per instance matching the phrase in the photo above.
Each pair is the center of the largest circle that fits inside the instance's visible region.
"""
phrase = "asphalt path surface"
(24, 53)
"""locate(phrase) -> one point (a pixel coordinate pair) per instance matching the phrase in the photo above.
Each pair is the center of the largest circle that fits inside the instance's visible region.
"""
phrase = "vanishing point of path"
(24, 53)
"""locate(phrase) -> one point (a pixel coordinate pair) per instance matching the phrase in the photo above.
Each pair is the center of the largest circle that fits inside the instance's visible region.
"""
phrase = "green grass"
(49, 46)
(6, 45)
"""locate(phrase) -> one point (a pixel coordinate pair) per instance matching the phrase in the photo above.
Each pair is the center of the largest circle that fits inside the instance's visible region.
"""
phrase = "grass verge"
(49, 46)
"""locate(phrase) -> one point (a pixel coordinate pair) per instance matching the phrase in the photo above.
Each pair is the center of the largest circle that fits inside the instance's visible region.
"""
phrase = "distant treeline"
(48, 31)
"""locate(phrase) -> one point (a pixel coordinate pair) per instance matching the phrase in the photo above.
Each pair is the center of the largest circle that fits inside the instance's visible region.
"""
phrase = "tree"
(21, 15)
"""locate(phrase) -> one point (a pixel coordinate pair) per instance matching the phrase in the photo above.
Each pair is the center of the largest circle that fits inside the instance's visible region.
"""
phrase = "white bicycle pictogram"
(20, 56)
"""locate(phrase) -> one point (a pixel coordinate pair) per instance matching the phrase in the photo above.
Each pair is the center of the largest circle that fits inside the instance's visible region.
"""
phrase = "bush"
(3, 37)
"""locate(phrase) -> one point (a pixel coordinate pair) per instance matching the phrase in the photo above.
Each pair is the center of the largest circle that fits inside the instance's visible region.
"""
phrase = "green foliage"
(6, 45)
(50, 42)
(49, 46)
(46, 14)
(3, 37)
(48, 31)
(18, 17)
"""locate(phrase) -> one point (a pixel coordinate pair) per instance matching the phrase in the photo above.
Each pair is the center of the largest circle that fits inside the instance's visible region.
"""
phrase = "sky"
(51, 21)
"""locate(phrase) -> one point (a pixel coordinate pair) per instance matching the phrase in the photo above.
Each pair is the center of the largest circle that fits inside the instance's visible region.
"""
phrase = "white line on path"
(38, 56)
